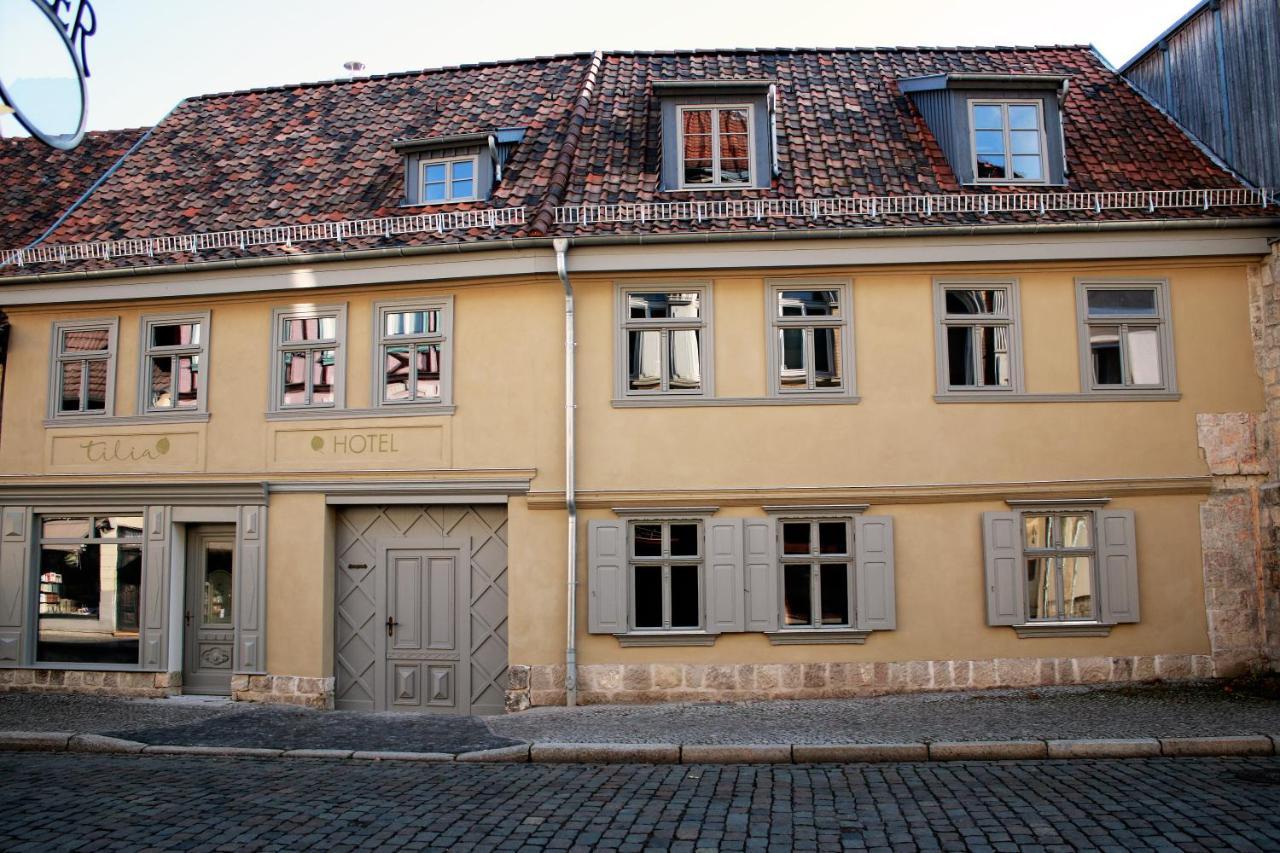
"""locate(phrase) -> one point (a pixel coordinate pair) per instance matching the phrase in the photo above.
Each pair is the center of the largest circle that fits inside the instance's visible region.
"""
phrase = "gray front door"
(426, 657)
(207, 614)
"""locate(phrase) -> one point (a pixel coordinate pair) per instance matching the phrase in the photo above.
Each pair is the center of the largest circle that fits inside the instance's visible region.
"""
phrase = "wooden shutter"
(250, 600)
(1117, 566)
(873, 586)
(760, 570)
(156, 561)
(15, 571)
(1002, 555)
(607, 577)
(724, 588)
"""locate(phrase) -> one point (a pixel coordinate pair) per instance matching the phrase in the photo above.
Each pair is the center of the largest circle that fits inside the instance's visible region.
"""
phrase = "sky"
(148, 55)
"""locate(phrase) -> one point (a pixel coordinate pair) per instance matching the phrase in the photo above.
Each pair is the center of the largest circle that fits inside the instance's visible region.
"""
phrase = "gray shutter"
(156, 561)
(1118, 566)
(15, 569)
(607, 577)
(760, 575)
(873, 588)
(724, 589)
(1002, 555)
(250, 599)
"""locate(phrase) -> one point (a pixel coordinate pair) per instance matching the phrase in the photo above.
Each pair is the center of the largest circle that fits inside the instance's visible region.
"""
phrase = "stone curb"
(518, 754)
(102, 743)
(823, 753)
(714, 753)
(366, 755)
(987, 750)
(225, 751)
(1099, 748)
(34, 741)
(1232, 745)
(605, 753)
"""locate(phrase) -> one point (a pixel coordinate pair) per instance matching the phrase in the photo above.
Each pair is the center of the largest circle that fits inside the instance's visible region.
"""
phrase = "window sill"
(89, 667)
(1076, 397)
(126, 420)
(651, 639)
(683, 402)
(817, 636)
(1062, 629)
(350, 414)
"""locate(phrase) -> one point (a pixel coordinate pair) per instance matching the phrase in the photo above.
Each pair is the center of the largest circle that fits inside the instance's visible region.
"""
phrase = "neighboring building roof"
(324, 152)
(40, 183)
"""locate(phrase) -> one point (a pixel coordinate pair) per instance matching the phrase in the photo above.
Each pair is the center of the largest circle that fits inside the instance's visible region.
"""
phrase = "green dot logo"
(317, 443)
(162, 446)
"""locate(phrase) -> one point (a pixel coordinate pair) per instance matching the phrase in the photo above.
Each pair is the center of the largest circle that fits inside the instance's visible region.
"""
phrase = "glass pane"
(175, 335)
(735, 170)
(161, 392)
(1027, 168)
(792, 369)
(990, 166)
(96, 397)
(696, 122)
(795, 537)
(1035, 531)
(685, 604)
(1024, 117)
(1077, 531)
(434, 173)
(826, 358)
(64, 528)
(685, 363)
(396, 377)
(808, 303)
(85, 340)
(978, 356)
(644, 359)
(960, 358)
(69, 392)
(662, 306)
(1041, 598)
(1077, 587)
(188, 381)
(1144, 355)
(733, 121)
(323, 374)
(834, 594)
(1104, 351)
(217, 583)
(293, 378)
(1112, 301)
(684, 540)
(311, 329)
(976, 301)
(648, 596)
(434, 192)
(989, 142)
(1024, 142)
(648, 540)
(464, 170)
(987, 117)
(411, 323)
(89, 603)
(428, 371)
(797, 607)
(833, 537)
(463, 190)
(697, 170)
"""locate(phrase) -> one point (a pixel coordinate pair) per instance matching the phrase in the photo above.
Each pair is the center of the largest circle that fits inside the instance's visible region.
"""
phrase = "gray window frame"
(443, 304)
(666, 561)
(944, 321)
(814, 559)
(279, 346)
(716, 183)
(57, 358)
(1059, 553)
(775, 323)
(1163, 321)
(146, 352)
(447, 162)
(624, 324)
(1004, 104)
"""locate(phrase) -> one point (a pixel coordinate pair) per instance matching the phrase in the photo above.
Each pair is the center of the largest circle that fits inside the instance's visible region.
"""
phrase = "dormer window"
(445, 181)
(717, 134)
(1008, 141)
(453, 169)
(715, 146)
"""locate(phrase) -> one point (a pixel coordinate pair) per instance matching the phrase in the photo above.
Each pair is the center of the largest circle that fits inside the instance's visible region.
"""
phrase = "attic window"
(445, 181)
(715, 146)
(458, 168)
(717, 134)
(1008, 140)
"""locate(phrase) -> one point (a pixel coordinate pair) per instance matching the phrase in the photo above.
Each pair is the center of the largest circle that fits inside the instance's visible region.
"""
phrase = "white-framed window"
(815, 573)
(447, 181)
(977, 336)
(715, 145)
(308, 362)
(810, 337)
(82, 378)
(174, 363)
(664, 575)
(412, 363)
(1125, 336)
(1008, 141)
(664, 340)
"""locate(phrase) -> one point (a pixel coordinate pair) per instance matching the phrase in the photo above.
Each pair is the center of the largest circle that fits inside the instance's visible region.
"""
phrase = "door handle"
(187, 617)
(391, 625)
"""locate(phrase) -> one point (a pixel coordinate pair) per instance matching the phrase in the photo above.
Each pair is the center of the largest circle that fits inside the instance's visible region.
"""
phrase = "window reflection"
(1059, 563)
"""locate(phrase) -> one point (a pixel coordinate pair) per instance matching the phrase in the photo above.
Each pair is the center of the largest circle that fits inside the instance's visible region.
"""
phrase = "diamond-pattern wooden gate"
(359, 652)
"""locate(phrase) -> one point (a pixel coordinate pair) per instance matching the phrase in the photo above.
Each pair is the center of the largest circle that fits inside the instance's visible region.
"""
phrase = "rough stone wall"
(283, 690)
(153, 685)
(1264, 286)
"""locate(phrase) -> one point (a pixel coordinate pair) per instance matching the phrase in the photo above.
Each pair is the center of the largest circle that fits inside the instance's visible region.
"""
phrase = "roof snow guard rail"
(922, 205)
(279, 235)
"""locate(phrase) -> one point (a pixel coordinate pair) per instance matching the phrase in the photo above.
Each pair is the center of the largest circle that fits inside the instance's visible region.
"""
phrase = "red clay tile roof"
(38, 184)
(323, 152)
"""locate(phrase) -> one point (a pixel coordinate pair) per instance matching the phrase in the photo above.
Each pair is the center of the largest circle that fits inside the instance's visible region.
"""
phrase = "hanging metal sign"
(44, 65)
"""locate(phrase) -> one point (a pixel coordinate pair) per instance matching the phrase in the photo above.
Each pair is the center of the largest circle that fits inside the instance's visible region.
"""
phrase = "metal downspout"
(561, 245)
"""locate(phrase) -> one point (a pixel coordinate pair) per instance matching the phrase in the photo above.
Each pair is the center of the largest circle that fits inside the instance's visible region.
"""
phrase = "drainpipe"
(561, 245)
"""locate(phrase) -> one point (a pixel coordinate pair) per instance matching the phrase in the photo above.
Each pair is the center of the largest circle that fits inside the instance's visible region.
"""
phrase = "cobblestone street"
(85, 802)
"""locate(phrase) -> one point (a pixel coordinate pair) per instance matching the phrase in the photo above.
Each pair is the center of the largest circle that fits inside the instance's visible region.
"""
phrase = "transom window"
(445, 181)
(665, 573)
(715, 146)
(1008, 141)
(817, 573)
(1060, 559)
(413, 340)
(173, 360)
(664, 341)
(309, 359)
(977, 336)
(83, 368)
(1126, 336)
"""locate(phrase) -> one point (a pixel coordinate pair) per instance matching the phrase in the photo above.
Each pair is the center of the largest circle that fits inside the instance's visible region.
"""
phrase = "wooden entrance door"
(207, 612)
